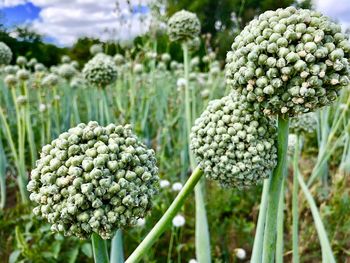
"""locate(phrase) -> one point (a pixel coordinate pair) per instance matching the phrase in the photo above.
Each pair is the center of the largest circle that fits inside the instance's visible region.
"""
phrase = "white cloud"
(67, 20)
(11, 3)
(338, 10)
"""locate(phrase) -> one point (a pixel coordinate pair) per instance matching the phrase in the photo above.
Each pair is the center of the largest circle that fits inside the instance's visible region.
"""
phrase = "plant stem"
(275, 190)
(259, 234)
(99, 249)
(295, 201)
(280, 219)
(163, 223)
(202, 230)
(117, 254)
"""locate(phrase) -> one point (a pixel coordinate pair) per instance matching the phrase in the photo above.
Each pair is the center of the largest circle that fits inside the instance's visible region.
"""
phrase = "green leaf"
(87, 250)
(14, 256)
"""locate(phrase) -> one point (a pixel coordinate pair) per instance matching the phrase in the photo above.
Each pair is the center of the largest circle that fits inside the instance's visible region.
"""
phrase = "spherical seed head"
(67, 71)
(5, 54)
(39, 67)
(65, 59)
(11, 80)
(305, 123)
(50, 80)
(293, 61)
(21, 60)
(233, 143)
(100, 70)
(183, 26)
(23, 74)
(94, 179)
(95, 49)
(119, 59)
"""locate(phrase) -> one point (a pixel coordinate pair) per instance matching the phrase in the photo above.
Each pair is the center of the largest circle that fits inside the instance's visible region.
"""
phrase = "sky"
(64, 21)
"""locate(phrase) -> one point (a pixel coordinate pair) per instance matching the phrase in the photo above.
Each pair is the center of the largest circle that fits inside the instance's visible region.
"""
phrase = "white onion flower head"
(50, 80)
(31, 63)
(118, 59)
(234, 143)
(290, 61)
(183, 26)
(166, 57)
(10, 80)
(5, 54)
(164, 183)
(179, 221)
(95, 49)
(240, 253)
(65, 59)
(100, 70)
(9, 69)
(39, 67)
(42, 107)
(192, 260)
(176, 187)
(181, 83)
(21, 61)
(23, 74)
(141, 222)
(94, 179)
(138, 68)
(67, 71)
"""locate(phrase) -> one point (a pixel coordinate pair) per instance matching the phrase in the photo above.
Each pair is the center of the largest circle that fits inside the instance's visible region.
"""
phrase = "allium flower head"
(290, 61)
(95, 49)
(233, 143)
(183, 26)
(100, 70)
(11, 80)
(21, 61)
(50, 80)
(67, 71)
(305, 123)
(94, 179)
(240, 253)
(118, 59)
(164, 183)
(176, 187)
(23, 74)
(65, 59)
(39, 67)
(179, 221)
(5, 54)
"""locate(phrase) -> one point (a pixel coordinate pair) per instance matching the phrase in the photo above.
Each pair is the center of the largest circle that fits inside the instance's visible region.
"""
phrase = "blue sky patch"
(19, 14)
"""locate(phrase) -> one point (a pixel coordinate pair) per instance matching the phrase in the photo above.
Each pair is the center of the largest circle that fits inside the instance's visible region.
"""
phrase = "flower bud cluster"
(100, 70)
(50, 80)
(183, 26)
(290, 60)
(94, 179)
(305, 123)
(233, 143)
(67, 71)
(95, 49)
(5, 54)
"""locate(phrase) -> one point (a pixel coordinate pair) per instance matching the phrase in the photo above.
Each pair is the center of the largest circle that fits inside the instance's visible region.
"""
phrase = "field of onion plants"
(138, 157)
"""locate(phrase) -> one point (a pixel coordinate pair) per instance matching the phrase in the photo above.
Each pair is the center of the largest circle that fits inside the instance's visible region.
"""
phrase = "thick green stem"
(259, 234)
(165, 220)
(99, 249)
(202, 230)
(295, 201)
(280, 221)
(275, 191)
(117, 253)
